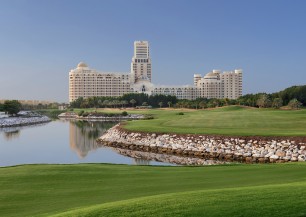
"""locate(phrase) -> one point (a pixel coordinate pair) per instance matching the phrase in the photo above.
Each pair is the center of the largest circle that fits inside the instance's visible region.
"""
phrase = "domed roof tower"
(82, 65)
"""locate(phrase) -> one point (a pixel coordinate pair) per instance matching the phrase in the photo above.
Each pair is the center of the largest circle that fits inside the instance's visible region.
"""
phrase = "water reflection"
(144, 158)
(11, 133)
(58, 141)
(140, 161)
(83, 135)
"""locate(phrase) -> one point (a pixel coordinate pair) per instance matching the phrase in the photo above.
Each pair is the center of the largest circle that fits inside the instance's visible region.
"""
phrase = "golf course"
(122, 190)
(229, 120)
(95, 190)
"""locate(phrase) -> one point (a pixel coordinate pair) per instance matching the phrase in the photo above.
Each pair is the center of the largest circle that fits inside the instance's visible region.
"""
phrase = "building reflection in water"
(83, 135)
(12, 135)
(140, 161)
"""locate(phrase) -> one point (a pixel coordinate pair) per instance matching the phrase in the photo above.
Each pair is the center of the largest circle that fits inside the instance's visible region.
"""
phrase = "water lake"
(61, 142)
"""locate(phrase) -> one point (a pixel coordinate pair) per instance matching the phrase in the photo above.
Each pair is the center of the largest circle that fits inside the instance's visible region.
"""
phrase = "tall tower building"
(232, 84)
(141, 62)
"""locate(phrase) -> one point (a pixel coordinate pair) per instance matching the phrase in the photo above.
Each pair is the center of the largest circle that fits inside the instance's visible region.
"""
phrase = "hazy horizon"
(41, 41)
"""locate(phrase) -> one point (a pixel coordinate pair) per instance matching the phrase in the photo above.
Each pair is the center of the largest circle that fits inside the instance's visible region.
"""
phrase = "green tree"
(216, 102)
(210, 105)
(203, 104)
(298, 92)
(277, 103)
(263, 101)
(77, 103)
(294, 104)
(12, 107)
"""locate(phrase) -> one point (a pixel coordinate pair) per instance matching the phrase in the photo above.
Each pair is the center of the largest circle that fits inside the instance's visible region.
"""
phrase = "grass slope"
(232, 120)
(250, 201)
(123, 190)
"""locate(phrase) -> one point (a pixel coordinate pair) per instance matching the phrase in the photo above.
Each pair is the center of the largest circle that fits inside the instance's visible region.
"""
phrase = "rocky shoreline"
(69, 115)
(22, 121)
(227, 148)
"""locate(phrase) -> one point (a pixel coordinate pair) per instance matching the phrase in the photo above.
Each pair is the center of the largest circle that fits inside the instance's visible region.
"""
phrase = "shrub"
(180, 113)
(81, 113)
(294, 104)
(124, 113)
(85, 114)
(147, 117)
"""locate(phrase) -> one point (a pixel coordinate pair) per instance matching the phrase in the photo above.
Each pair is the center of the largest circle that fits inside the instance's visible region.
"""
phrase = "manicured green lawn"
(123, 190)
(232, 120)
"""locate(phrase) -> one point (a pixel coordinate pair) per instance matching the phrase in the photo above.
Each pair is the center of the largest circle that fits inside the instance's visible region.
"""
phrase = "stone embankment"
(92, 117)
(22, 121)
(227, 148)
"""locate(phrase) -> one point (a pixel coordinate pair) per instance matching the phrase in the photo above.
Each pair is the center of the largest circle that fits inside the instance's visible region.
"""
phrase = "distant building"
(85, 82)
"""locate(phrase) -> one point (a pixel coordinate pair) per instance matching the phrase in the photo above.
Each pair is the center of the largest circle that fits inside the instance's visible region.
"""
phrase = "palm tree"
(203, 104)
(160, 104)
(125, 102)
(116, 103)
(105, 103)
(133, 101)
(169, 104)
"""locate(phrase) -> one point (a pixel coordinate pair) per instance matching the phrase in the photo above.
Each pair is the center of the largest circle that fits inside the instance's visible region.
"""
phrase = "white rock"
(274, 157)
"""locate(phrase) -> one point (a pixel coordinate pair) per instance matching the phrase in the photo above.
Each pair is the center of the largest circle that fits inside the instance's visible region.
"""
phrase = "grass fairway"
(123, 190)
(231, 120)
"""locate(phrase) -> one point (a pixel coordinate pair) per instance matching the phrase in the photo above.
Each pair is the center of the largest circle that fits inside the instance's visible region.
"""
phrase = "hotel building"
(85, 82)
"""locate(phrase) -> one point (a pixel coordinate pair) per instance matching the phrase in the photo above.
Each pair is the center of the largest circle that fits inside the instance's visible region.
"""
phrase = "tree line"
(127, 100)
(11, 107)
(294, 97)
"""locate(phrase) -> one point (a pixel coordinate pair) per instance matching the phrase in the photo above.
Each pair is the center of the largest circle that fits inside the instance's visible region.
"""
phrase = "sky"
(41, 41)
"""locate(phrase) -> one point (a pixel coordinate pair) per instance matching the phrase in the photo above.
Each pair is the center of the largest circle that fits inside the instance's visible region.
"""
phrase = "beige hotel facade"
(86, 82)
